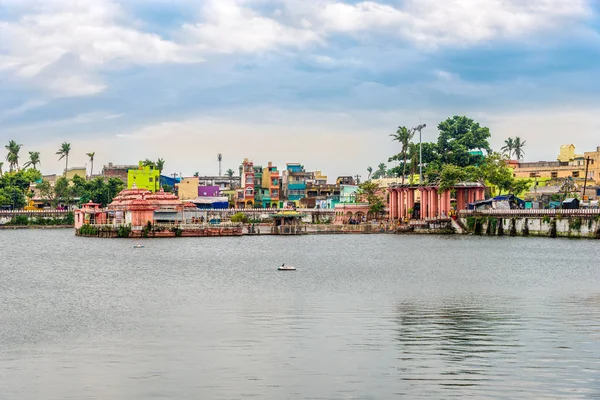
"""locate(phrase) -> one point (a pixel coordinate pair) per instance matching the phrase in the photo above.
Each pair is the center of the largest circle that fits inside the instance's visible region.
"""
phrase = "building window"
(554, 174)
(532, 174)
(575, 174)
(150, 180)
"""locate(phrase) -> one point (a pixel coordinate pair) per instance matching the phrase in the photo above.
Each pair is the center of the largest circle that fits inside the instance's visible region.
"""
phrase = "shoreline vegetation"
(26, 221)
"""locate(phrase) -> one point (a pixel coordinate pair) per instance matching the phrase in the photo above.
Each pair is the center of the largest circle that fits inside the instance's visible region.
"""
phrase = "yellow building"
(594, 165)
(145, 177)
(71, 172)
(568, 165)
(188, 188)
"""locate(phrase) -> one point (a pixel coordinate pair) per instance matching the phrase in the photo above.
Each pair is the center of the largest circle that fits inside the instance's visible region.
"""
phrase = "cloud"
(228, 27)
(93, 35)
(434, 23)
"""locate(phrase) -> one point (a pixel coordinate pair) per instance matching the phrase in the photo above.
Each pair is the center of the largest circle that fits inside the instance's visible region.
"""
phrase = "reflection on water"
(364, 317)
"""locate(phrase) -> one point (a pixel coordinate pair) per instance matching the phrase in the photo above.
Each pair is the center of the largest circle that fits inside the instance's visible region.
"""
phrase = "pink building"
(428, 202)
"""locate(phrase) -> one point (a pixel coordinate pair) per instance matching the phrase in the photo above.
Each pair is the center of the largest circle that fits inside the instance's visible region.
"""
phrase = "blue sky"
(322, 82)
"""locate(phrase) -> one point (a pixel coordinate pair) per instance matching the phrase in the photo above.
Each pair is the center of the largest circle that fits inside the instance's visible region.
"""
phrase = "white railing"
(526, 212)
(20, 212)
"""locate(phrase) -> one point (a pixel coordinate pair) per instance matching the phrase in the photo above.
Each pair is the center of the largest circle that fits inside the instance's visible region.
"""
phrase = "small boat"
(138, 246)
(286, 268)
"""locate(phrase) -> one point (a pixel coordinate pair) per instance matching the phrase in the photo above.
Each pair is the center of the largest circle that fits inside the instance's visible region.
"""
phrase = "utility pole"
(419, 128)
(587, 164)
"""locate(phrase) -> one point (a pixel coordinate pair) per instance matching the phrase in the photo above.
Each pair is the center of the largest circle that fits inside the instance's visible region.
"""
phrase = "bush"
(240, 217)
(19, 220)
(124, 231)
(575, 224)
(178, 232)
(88, 230)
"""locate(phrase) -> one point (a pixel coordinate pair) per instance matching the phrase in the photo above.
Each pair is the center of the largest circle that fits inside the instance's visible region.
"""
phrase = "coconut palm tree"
(403, 136)
(63, 152)
(196, 174)
(370, 171)
(518, 148)
(381, 170)
(91, 156)
(13, 155)
(509, 147)
(160, 165)
(1, 165)
(219, 159)
(230, 174)
(34, 160)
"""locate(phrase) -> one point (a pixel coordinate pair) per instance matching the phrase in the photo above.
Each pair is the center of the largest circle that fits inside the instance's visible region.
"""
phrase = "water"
(364, 317)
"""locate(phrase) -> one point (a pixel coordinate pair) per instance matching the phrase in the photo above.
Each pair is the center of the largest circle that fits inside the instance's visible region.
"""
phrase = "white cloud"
(229, 27)
(93, 34)
(433, 23)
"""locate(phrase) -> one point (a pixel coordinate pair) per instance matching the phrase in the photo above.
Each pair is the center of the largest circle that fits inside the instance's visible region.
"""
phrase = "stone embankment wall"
(557, 225)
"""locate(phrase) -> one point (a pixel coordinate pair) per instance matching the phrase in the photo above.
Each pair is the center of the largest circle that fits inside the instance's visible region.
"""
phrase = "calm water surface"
(364, 317)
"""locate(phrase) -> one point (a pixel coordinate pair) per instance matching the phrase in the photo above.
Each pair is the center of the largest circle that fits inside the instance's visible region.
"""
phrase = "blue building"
(293, 182)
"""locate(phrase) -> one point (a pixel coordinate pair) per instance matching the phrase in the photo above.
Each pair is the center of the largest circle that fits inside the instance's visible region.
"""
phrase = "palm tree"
(230, 174)
(148, 163)
(1, 165)
(34, 160)
(381, 170)
(13, 155)
(219, 159)
(370, 171)
(509, 147)
(63, 152)
(403, 136)
(518, 148)
(160, 165)
(91, 156)
(196, 174)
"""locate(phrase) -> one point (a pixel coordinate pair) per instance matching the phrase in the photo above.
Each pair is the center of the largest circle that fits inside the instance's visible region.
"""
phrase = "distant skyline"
(320, 82)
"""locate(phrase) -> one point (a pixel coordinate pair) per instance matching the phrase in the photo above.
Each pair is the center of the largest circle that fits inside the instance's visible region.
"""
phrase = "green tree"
(509, 147)
(34, 160)
(372, 192)
(1, 172)
(403, 136)
(12, 157)
(91, 157)
(381, 170)
(160, 165)
(370, 171)
(458, 136)
(148, 163)
(13, 197)
(518, 148)
(230, 174)
(63, 152)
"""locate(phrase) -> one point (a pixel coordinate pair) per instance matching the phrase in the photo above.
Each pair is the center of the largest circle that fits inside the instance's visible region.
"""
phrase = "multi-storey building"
(117, 171)
(294, 182)
(259, 192)
(144, 177)
(270, 186)
(245, 195)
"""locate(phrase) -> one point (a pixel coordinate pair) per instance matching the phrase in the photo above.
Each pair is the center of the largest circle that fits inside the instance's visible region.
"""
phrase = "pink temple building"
(428, 202)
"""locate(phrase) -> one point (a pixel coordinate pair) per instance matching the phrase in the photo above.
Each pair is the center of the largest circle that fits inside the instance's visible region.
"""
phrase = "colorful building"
(144, 177)
(245, 195)
(187, 188)
(117, 171)
(271, 186)
(294, 182)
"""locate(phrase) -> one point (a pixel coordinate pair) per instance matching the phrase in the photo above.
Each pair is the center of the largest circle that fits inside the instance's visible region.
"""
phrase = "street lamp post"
(419, 128)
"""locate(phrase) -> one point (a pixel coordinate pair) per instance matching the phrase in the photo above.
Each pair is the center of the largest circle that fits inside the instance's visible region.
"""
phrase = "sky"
(320, 82)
